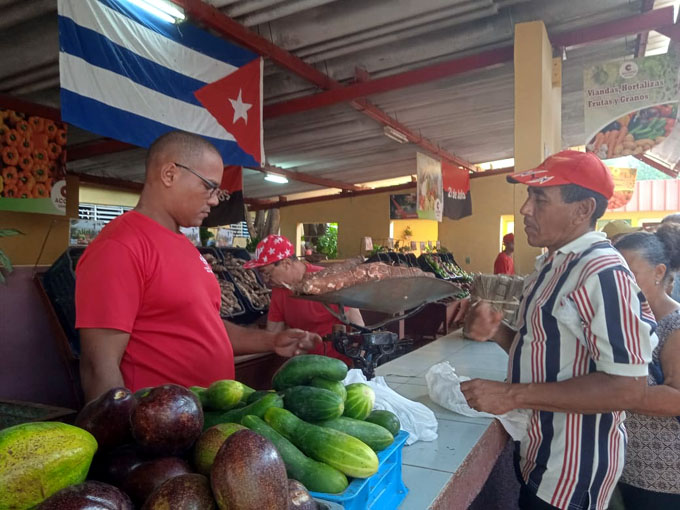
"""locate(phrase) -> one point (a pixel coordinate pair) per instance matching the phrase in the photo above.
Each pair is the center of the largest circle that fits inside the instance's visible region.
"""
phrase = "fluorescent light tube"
(278, 179)
(161, 9)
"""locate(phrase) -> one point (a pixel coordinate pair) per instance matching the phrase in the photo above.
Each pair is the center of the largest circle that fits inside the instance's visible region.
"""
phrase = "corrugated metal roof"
(470, 115)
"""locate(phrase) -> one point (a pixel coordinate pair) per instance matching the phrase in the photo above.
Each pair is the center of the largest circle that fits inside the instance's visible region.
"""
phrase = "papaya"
(39, 459)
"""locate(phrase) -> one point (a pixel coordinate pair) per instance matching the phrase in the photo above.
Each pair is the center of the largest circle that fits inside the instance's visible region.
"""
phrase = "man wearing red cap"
(504, 263)
(276, 261)
(579, 348)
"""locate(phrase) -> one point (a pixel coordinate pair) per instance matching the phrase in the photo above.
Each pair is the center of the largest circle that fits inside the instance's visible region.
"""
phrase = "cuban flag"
(131, 76)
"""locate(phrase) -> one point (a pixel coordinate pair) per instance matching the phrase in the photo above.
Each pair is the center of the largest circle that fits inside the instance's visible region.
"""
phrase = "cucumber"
(385, 419)
(226, 394)
(201, 393)
(315, 476)
(301, 369)
(257, 395)
(335, 386)
(256, 408)
(359, 401)
(337, 449)
(313, 404)
(375, 436)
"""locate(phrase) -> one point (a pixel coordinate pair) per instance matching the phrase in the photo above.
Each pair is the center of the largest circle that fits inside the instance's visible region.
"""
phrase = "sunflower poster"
(32, 164)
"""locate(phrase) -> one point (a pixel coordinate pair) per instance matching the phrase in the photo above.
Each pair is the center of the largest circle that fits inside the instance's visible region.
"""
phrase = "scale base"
(365, 349)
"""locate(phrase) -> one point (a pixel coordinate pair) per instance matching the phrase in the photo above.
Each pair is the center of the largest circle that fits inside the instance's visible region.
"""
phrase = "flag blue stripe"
(131, 128)
(99, 51)
(185, 33)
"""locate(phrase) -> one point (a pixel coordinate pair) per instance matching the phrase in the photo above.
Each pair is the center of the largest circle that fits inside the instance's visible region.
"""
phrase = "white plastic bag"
(416, 418)
(443, 386)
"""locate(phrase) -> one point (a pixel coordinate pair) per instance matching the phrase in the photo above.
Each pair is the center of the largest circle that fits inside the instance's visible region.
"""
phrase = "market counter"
(449, 472)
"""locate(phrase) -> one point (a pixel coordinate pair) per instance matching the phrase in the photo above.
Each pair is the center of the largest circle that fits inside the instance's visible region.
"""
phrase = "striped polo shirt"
(581, 312)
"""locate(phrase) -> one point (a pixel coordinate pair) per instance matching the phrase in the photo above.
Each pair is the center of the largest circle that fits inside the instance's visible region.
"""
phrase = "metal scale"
(399, 297)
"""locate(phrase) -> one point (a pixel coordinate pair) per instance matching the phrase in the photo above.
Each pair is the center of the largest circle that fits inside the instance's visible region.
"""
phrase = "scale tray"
(391, 296)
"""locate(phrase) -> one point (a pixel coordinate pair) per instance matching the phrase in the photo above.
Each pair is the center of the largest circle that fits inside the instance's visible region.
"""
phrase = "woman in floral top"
(651, 475)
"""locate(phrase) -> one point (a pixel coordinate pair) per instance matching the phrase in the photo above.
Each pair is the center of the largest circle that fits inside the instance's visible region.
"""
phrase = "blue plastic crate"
(385, 490)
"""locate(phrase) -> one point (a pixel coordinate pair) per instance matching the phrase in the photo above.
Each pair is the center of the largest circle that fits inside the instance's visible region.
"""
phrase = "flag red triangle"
(236, 102)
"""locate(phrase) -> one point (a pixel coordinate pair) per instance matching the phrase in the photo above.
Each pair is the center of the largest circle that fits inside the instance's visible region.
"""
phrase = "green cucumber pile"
(324, 431)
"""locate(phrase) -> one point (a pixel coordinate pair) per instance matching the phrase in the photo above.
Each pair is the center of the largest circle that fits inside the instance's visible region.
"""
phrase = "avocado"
(249, 474)
(209, 444)
(149, 475)
(88, 495)
(114, 466)
(167, 420)
(188, 492)
(107, 418)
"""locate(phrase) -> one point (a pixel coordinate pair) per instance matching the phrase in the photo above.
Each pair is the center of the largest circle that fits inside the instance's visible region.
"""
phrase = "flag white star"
(272, 251)
(277, 240)
(240, 108)
(265, 258)
(287, 253)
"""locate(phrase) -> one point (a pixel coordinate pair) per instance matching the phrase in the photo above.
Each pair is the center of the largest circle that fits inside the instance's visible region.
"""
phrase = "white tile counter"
(449, 472)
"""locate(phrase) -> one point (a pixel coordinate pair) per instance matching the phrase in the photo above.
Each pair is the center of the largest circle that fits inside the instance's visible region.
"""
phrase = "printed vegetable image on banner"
(32, 164)
(430, 189)
(624, 186)
(631, 107)
(457, 200)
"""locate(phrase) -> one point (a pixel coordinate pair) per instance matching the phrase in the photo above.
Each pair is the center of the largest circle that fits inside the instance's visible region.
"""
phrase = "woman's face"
(646, 274)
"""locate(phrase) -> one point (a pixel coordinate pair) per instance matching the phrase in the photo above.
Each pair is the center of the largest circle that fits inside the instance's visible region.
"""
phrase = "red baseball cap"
(271, 249)
(509, 238)
(584, 169)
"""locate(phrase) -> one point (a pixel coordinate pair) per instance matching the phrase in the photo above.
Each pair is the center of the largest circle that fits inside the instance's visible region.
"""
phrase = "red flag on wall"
(230, 209)
(236, 102)
(457, 200)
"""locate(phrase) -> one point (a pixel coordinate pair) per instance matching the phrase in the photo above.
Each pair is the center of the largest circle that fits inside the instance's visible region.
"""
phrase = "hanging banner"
(32, 164)
(430, 189)
(230, 207)
(457, 199)
(403, 206)
(624, 186)
(631, 107)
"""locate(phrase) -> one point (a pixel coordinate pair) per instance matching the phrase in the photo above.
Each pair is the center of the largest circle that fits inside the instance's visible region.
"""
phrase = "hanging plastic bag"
(443, 386)
(416, 418)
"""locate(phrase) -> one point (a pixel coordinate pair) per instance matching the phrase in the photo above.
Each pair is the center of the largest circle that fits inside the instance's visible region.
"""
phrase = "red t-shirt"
(139, 277)
(307, 315)
(504, 264)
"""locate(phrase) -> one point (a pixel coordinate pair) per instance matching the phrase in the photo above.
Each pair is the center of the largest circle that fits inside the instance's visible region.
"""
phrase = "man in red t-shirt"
(276, 262)
(504, 263)
(147, 303)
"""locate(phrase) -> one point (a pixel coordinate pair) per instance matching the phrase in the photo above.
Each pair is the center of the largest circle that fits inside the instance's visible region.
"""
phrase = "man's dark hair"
(672, 218)
(574, 193)
(660, 247)
(188, 145)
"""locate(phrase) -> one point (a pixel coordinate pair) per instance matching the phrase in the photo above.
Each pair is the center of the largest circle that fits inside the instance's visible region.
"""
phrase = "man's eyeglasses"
(210, 186)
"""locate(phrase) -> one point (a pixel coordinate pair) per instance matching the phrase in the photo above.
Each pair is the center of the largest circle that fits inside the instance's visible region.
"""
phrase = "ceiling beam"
(110, 182)
(658, 165)
(309, 179)
(349, 194)
(94, 148)
(8, 102)
(631, 25)
(258, 204)
(204, 13)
